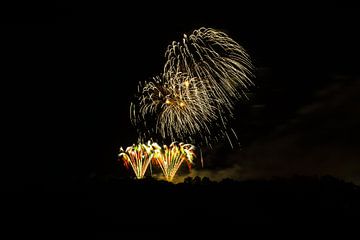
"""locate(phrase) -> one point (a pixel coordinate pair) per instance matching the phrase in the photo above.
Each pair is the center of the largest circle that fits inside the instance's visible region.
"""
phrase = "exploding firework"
(138, 156)
(170, 158)
(216, 60)
(194, 97)
(180, 107)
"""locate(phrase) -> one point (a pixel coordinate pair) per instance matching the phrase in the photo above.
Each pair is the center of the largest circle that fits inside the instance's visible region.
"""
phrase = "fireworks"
(192, 100)
(169, 159)
(179, 108)
(138, 157)
(216, 60)
(203, 77)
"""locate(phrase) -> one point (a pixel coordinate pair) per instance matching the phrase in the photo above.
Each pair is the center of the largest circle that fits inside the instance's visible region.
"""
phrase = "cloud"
(233, 172)
(321, 139)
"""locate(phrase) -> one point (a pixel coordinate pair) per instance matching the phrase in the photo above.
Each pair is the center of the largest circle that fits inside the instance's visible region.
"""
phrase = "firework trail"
(138, 156)
(170, 158)
(203, 77)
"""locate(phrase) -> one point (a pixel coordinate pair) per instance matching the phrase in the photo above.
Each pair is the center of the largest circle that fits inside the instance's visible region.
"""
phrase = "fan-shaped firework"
(194, 97)
(170, 158)
(138, 156)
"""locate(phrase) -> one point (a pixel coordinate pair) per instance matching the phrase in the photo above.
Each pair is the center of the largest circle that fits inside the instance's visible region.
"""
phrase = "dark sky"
(72, 78)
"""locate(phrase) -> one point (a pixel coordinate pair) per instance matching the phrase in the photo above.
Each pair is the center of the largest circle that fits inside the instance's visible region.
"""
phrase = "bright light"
(168, 158)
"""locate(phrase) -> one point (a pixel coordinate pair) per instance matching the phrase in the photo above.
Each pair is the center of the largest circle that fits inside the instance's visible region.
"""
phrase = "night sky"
(72, 79)
(69, 72)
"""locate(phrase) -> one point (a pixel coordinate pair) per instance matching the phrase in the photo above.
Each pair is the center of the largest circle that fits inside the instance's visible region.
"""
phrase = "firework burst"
(171, 158)
(216, 60)
(138, 156)
(179, 108)
(194, 97)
